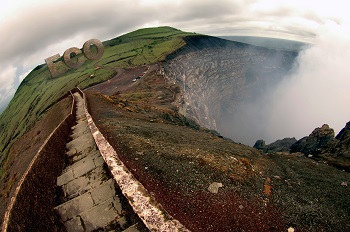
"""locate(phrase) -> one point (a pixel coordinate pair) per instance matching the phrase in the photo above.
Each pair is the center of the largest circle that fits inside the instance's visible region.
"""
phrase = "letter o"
(67, 58)
(87, 52)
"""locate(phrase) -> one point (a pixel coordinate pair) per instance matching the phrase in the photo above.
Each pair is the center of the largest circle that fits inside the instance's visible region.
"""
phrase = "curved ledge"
(154, 216)
(47, 154)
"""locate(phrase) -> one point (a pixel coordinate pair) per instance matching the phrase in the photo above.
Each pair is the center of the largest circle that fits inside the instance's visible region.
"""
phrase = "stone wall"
(31, 206)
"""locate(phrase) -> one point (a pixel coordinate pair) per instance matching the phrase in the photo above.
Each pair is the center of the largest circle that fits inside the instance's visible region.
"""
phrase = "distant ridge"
(273, 43)
(38, 91)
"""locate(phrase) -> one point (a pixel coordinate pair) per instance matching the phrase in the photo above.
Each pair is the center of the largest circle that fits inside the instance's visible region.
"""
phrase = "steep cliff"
(218, 76)
(179, 161)
(207, 182)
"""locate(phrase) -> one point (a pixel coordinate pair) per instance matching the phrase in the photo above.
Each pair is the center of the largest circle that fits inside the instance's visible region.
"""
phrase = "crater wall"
(219, 76)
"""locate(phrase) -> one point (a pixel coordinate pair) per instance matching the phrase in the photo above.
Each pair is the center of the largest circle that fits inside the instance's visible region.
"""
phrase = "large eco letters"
(53, 64)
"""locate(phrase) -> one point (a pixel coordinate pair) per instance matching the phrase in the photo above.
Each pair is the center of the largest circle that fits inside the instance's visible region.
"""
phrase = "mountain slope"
(38, 91)
(224, 80)
(206, 181)
(180, 163)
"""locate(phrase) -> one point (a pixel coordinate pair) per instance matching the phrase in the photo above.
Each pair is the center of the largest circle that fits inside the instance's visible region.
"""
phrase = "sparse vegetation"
(171, 155)
(178, 161)
(38, 91)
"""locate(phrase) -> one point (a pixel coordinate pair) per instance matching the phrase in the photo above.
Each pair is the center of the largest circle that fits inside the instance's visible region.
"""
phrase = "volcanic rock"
(260, 145)
(214, 187)
(321, 140)
(322, 145)
(281, 145)
(343, 147)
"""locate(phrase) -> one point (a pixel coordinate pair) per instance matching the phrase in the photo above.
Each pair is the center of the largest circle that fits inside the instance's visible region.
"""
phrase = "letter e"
(52, 65)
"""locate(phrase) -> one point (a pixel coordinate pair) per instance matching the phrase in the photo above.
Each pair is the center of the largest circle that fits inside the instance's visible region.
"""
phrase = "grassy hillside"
(39, 91)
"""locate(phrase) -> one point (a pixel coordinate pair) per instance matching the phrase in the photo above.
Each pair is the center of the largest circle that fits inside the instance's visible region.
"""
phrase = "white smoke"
(317, 92)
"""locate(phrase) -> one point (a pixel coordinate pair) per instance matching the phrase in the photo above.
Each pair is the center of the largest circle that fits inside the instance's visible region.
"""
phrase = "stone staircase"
(90, 198)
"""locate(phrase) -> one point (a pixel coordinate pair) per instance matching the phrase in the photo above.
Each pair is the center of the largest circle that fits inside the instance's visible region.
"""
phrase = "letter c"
(67, 58)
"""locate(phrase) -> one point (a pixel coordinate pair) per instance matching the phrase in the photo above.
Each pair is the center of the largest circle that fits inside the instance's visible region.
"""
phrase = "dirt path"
(124, 80)
(90, 198)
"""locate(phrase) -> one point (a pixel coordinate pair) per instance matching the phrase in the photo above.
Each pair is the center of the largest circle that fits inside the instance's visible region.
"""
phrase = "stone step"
(83, 150)
(132, 228)
(98, 208)
(80, 125)
(74, 207)
(103, 215)
(95, 155)
(81, 142)
(86, 201)
(82, 154)
(80, 114)
(80, 168)
(84, 183)
(91, 199)
(79, 132)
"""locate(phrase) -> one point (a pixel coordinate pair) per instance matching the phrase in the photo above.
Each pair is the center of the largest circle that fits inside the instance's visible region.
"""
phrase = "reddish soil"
(177, 160)
(26, 147)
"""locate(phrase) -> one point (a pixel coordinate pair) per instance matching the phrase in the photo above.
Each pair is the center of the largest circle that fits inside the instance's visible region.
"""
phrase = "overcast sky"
(32, 30)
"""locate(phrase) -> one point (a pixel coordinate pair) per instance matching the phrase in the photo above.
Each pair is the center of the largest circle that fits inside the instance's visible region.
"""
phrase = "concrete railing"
(153, 215)
(30, 208)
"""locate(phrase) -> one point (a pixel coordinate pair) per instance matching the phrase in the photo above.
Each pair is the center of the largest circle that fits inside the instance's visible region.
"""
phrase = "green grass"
(143, 46)
(39, 91)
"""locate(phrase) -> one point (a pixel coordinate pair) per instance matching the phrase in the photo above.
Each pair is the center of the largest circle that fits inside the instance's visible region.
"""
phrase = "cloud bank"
(315, 93)
(32, 30)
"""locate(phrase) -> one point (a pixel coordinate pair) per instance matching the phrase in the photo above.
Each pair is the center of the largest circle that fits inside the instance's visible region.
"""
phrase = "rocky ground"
(208, 182)
(90, 199)
(321, 145)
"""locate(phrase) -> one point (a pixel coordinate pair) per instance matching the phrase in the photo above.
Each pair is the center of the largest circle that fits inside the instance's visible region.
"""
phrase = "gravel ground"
(177, 161)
